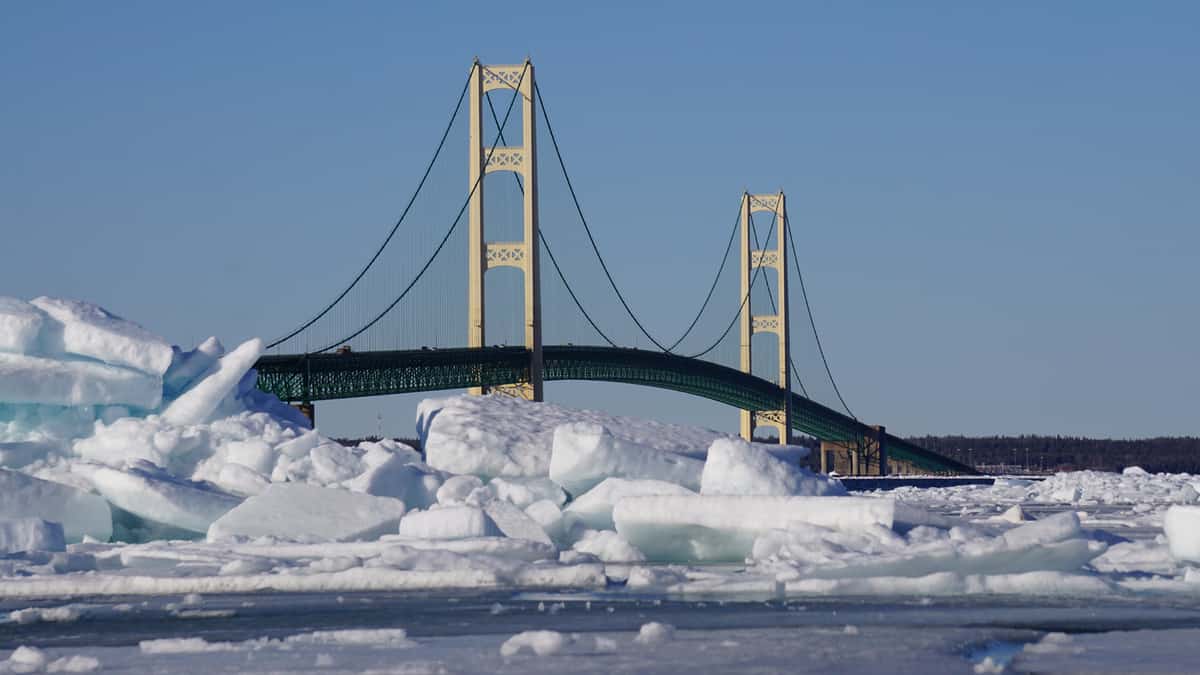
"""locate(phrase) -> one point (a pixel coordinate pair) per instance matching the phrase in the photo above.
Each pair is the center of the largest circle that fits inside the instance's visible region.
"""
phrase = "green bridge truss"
(320, 377)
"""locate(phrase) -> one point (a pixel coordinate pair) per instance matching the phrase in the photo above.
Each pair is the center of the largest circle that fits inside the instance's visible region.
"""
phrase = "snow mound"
(498, 435)
(539, 642)
(449, 522)
(735, 467)
(1182, 527)
(309, 513)
(586, 453)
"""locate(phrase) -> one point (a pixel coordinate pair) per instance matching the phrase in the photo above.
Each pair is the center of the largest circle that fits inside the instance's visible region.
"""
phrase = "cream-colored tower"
(766, 323)
(484, 255)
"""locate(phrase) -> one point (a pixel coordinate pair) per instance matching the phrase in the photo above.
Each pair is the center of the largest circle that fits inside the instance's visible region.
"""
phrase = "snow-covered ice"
(81, 514)
(585, 453)
(309, 513)
(449, 522)
(724, 528)
(18, 535)
(593, 509)
(81, 328)
(735, 467)
(26, 379)
(1181, 524)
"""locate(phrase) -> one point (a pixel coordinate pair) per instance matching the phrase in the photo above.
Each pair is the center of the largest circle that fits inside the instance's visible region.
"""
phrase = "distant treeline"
(1060, 453)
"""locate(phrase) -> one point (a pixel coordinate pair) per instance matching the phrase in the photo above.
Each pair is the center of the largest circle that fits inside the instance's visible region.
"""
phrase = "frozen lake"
(463, 633)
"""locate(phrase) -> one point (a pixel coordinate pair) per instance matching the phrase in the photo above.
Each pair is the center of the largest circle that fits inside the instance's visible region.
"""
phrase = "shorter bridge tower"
(777, 323)
(484, 255)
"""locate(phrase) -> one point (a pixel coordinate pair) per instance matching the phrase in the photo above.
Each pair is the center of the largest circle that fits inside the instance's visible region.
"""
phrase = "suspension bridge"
(396, 328)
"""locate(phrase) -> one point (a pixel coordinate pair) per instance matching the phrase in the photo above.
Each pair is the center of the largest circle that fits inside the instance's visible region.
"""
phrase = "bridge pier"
(308, 410)
(864, 457)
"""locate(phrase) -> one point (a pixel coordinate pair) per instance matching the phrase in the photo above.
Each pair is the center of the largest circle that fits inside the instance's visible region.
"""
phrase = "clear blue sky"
(998, 203)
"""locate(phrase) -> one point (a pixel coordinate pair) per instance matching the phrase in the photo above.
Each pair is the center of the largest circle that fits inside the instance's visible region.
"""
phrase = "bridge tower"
(751, 260)
(484, 255)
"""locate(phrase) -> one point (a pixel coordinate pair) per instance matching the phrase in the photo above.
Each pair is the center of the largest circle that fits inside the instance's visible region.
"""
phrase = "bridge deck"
(318, 377)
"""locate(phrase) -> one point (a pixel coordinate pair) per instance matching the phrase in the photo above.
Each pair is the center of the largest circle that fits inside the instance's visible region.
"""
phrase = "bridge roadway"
(320, 377)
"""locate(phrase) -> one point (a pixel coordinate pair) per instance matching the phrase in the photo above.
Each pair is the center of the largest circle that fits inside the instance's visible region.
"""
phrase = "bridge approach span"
(320, 377)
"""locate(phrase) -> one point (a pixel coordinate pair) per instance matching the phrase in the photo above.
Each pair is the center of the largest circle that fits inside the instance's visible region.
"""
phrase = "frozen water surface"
(599, 631)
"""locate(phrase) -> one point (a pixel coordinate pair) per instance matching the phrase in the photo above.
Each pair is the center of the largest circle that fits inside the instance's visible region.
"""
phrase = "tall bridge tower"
(484, 255)
(751, 260)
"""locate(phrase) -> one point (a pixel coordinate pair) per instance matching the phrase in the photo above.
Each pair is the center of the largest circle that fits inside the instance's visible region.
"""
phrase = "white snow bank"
(30, 534)
(540, 642)
(1182, 527)
(449, 522)
(586, 453)
(608, 546)
(724, 528)
(491, 436)
(148, 492)
(81, 514)
(414, 484)
(593, 509)
(1101, 487)
(735, 467)
(89, 330)
(39, 380)
(20, 325)
(309, 513)
(654, 633)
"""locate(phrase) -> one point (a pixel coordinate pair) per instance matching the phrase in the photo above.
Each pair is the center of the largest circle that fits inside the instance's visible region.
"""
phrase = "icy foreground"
(130, 467)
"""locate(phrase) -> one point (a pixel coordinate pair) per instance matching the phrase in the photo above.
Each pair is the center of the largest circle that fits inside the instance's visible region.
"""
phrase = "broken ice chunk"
(724, 528)
(310, 513)
(188, 366)
(1182, 527)
(20, 323)
(449, 522)
(196, 404)
(81, 514)
(30, 534)
(158, 497)
(593, 509)
(89, 330)
(584, 454)
(735, 467)
(38, 380)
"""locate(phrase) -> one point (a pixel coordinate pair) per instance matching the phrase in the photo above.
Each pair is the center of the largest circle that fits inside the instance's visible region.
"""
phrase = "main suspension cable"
(542, 237)
(579, 209)
(392, 233)
(604, 265)
(713, 287)
(811, 321)
(453, 226)
(758, 245)
(745, 303)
